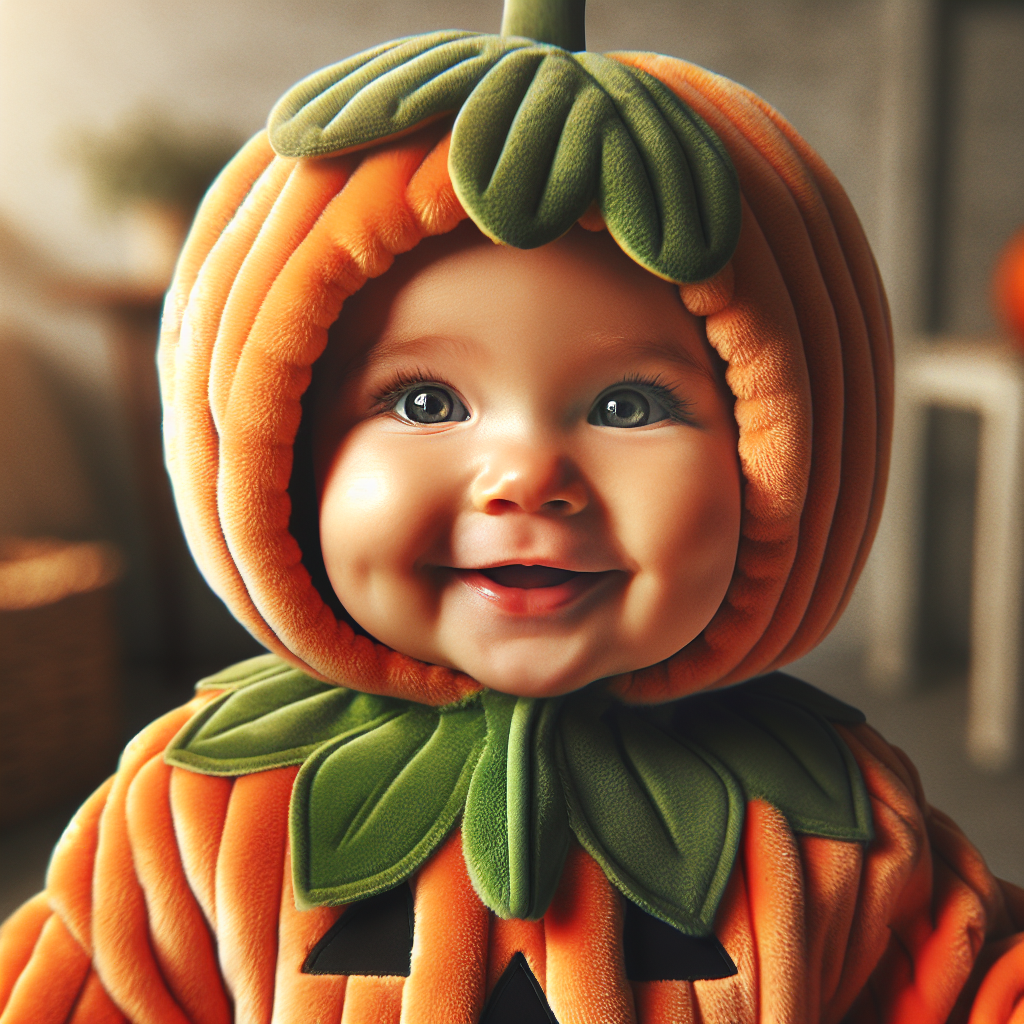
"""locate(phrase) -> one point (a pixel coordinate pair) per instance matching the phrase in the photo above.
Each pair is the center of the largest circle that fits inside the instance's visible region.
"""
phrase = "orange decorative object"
(1008, 287)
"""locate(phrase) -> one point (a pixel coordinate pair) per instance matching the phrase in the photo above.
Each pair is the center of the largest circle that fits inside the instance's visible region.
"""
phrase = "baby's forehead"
(599, 351)
(586, 297)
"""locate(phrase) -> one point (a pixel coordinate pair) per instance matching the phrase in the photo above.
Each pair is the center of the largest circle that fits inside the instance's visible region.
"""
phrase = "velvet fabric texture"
(541, 136)
(170, 898)
(798, 315)
(658, 799)
(169, 901)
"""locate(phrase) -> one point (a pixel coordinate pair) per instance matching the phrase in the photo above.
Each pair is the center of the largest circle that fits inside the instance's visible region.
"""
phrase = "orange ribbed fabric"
(798, 315)
(911, 929)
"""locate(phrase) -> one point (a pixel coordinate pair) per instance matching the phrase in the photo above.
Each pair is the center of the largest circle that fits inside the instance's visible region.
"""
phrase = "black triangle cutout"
(373, 936)
(517, 998)
(655, 951)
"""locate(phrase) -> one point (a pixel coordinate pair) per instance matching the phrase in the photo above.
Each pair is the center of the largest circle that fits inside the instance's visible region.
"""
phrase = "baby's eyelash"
(386, 398)
(679, 409)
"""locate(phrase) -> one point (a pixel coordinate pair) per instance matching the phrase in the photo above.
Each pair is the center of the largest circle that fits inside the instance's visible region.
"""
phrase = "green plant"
(152, 159)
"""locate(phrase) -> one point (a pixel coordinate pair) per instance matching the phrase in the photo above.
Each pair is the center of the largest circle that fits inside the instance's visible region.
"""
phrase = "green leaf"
(781, 749)
(263, 666)
(663, 819)
(540, 134)
(526, 147)
(669, 193)
(368, 809)
(546, 132)
(656, 795)
(515, 833)
(786, 687)
(277, 720)
(383, 92)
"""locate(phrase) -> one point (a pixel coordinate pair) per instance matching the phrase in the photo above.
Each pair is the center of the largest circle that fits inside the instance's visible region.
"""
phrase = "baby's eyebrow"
(391, 346)
(673, 351)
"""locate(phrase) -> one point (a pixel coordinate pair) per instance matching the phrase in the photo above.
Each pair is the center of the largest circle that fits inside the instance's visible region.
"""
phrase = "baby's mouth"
(528, 577)
(532, 590)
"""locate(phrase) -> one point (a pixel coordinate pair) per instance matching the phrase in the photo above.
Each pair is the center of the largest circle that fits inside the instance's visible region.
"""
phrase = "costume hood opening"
(738, 209)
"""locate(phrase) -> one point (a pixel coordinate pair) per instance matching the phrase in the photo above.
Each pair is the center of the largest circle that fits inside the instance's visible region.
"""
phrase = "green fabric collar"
(656, 795)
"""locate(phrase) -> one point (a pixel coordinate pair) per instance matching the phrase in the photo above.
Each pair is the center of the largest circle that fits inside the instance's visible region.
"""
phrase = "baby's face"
(527, 470)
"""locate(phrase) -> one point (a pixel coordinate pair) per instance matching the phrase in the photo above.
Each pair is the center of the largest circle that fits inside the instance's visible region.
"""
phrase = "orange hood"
(798, 314)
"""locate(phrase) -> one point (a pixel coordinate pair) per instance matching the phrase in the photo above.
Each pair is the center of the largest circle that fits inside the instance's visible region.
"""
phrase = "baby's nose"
(529, 480)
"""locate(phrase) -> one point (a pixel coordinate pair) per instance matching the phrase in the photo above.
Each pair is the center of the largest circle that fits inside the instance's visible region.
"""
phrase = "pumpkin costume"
(335, 832)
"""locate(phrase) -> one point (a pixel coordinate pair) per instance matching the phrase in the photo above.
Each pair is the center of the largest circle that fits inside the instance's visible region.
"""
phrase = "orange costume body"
(169, 901)
(170, 898)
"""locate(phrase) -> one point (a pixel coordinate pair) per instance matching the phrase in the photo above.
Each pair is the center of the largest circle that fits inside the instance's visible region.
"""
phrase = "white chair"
(986, 378)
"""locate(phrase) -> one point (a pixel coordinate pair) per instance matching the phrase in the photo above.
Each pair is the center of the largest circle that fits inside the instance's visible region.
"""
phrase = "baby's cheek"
(684, 542)
(351, 509)
(680, 508)
(381, 509)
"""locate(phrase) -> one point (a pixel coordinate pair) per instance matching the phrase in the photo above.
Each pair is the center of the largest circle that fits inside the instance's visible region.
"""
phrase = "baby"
(527, 555)
(528, 470)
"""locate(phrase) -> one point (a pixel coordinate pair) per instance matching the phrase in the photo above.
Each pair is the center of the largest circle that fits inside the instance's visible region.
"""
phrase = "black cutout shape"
(655, 951)
(373, 936)
(517, 998)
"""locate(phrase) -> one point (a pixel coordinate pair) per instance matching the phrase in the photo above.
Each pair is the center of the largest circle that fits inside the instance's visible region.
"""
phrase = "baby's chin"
(536, 687)
(536, 670)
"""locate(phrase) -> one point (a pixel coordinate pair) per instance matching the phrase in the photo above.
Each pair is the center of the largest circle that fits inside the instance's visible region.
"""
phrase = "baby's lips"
(544, 591)
(528, 577)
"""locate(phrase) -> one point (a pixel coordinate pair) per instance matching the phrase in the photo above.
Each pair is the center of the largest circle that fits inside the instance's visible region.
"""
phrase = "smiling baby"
(528, 469)
(532, 407)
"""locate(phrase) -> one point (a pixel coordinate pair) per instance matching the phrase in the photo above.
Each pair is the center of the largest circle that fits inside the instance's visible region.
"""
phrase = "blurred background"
(115, 114)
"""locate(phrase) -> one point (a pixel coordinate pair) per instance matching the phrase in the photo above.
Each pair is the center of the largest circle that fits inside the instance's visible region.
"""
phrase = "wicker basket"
(59, 691)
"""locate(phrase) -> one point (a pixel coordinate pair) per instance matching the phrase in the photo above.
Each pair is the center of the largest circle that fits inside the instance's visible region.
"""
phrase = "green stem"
(559, 22)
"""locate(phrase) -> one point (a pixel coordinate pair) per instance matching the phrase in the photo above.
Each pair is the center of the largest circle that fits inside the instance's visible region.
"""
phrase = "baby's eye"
(626, 407)
(430, 403)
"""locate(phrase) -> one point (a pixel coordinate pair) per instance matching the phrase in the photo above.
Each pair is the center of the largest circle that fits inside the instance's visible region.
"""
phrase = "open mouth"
(530, 589)
(528, 577)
